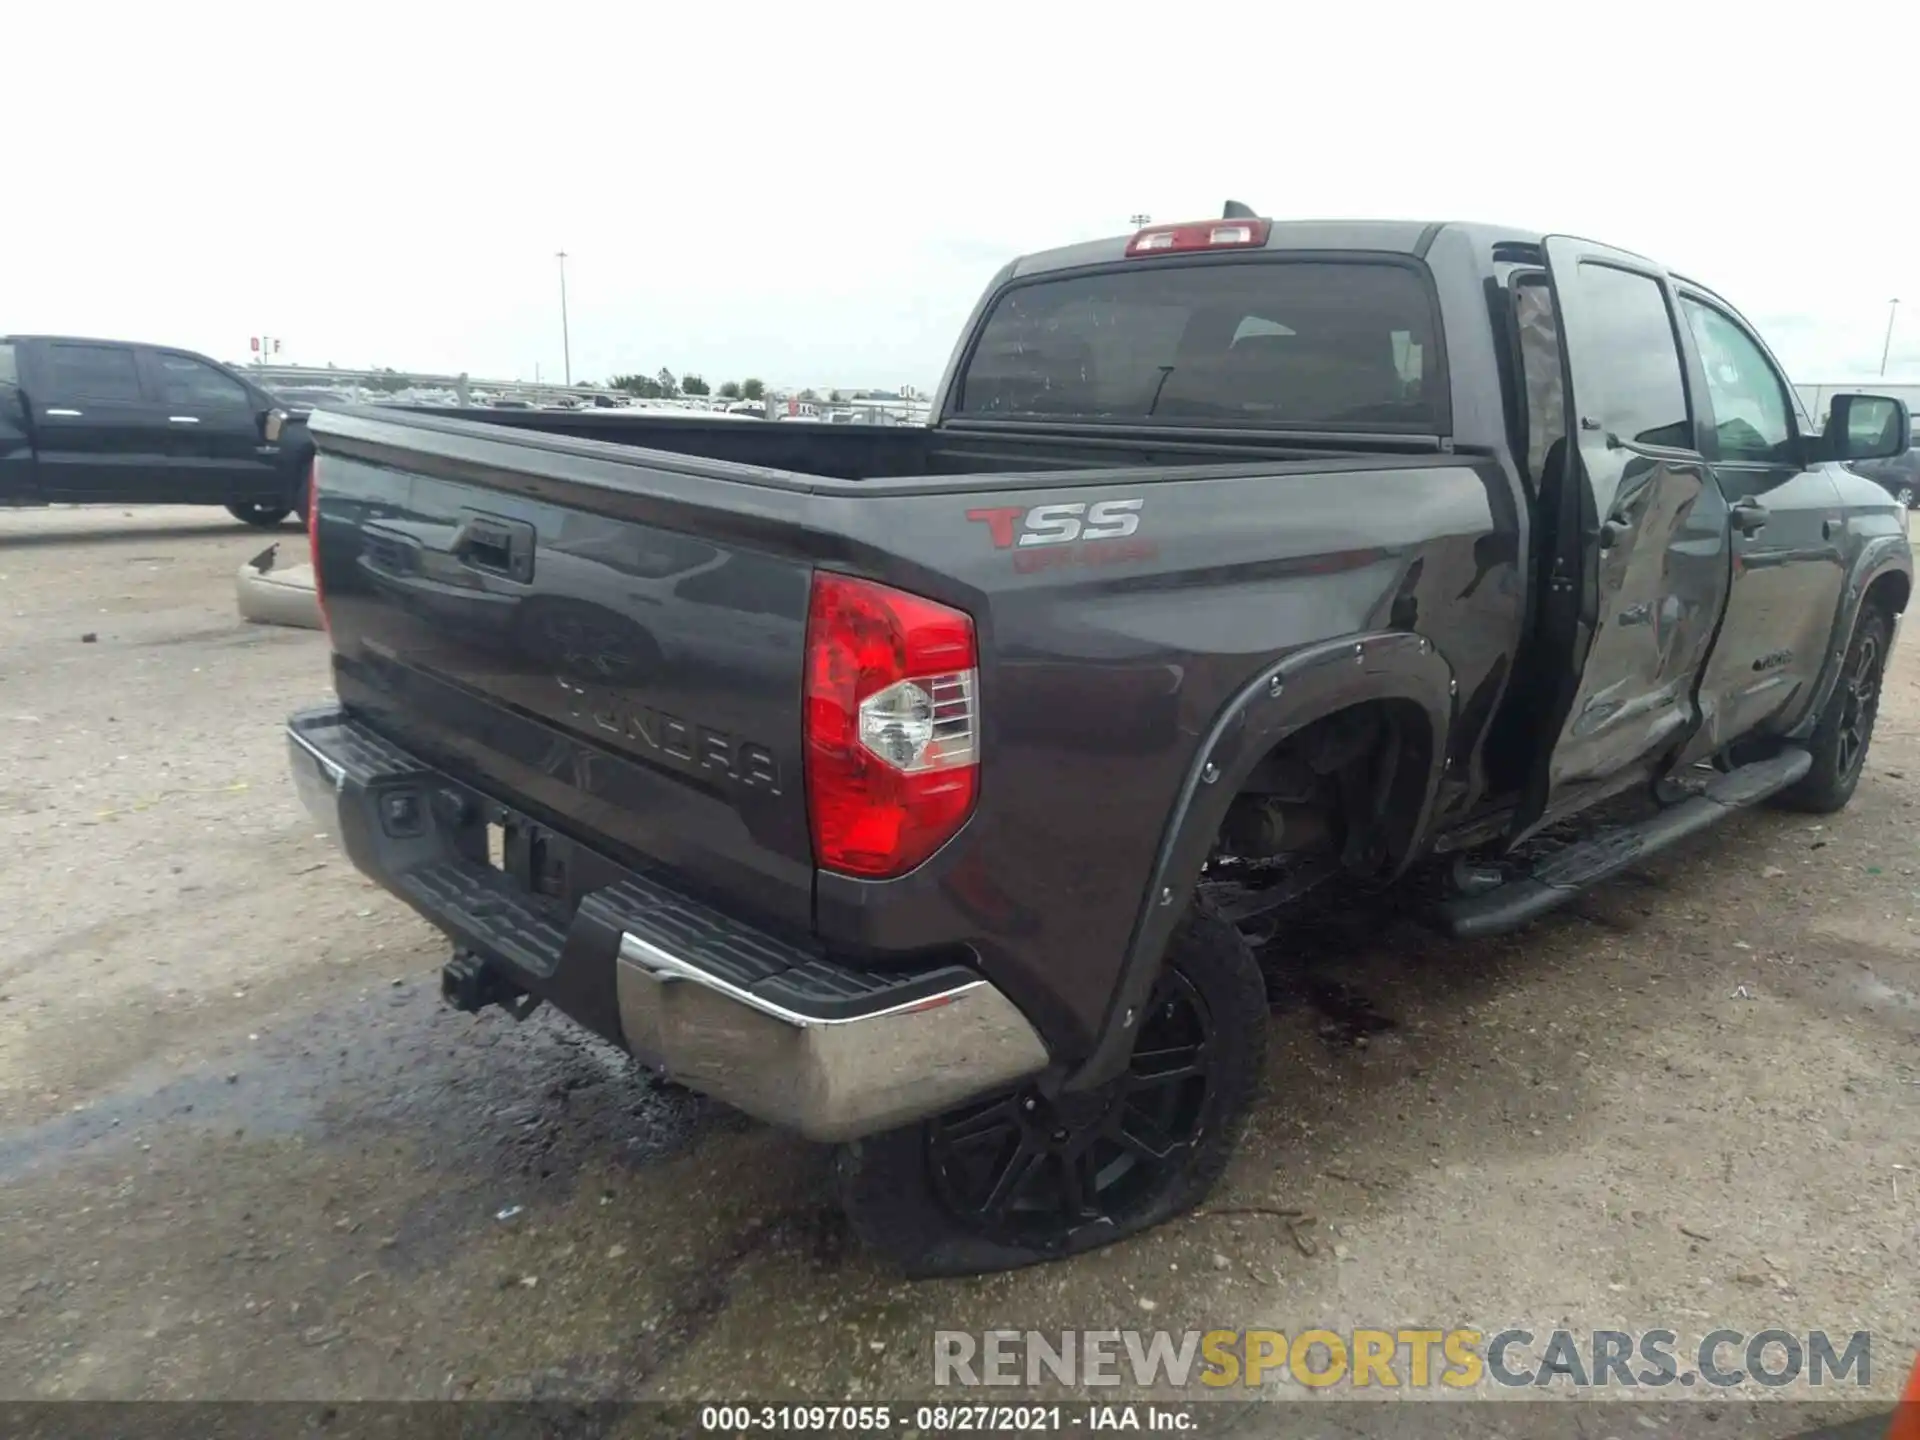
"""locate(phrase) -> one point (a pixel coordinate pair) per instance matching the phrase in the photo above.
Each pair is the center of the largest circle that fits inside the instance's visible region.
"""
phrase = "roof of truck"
(93, 340)
(1393, 237)
(69, 339)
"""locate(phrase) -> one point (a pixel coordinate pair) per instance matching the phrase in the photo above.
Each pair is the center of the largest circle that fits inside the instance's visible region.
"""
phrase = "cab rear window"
(1319, 345)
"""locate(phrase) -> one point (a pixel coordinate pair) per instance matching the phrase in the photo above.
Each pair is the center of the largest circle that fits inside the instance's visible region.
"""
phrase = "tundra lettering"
(698, 745)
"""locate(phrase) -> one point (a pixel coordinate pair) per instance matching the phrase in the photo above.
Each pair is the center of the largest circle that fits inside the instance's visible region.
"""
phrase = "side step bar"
(1566, 873)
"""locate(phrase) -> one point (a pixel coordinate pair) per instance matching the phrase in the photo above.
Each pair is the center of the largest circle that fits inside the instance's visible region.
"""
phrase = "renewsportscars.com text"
(1415, 1359)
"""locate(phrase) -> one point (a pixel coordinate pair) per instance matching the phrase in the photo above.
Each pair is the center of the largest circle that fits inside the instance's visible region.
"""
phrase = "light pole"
(566, 343)
(1893, 309)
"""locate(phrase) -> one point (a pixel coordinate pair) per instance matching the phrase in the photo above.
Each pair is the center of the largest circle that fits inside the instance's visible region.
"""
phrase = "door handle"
(498, 547)
(1618, 525)
(1749, 515)
(183, 419)
(74, 413)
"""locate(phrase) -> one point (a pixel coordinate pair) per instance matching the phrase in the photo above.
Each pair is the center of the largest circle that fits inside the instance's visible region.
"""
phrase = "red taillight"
(313, 537)
(892, 725)
(1199, 235)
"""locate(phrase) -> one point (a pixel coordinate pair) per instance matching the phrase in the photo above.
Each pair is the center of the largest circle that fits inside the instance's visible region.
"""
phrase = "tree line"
(665, 386)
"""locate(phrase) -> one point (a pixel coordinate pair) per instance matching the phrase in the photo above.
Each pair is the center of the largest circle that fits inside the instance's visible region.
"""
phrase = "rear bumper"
(766, 1023)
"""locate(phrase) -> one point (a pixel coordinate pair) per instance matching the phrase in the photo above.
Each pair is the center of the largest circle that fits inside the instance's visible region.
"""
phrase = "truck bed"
(602, 622)
(874, 452)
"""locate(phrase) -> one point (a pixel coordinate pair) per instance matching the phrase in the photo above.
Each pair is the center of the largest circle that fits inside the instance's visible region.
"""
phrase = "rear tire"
(1840, 740)
(261, 517)
(1020, 1178)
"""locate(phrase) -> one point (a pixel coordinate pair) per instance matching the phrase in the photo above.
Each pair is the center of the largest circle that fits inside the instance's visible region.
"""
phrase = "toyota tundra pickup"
(921, 789)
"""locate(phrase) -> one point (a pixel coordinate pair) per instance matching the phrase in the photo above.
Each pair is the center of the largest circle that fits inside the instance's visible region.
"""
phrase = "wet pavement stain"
(1347, 1016)
(1311, 964)
(386, 1151)
(528, 1097)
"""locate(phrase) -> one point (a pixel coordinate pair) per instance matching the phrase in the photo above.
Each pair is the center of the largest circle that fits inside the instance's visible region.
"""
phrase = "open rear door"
(1637, 574)
(19, 480)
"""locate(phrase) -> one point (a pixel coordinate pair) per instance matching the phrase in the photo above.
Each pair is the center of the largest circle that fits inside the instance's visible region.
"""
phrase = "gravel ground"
(245, 1152)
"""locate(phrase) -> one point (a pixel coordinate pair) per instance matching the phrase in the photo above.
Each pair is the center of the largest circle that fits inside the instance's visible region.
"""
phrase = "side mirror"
(1866, 427)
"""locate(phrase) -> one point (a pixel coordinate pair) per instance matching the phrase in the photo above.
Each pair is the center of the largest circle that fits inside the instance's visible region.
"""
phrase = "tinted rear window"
(1314, 344)
(92, 372)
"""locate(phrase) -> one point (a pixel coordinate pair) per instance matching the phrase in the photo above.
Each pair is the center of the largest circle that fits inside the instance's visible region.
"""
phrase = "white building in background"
(841, 404)
(1818, 399)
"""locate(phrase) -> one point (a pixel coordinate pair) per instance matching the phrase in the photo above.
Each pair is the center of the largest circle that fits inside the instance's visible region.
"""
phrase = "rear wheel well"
(1349, 786)
(1889, 593)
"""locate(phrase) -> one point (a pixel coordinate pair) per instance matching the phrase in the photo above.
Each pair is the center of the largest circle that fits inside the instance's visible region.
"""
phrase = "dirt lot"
(246, 1152)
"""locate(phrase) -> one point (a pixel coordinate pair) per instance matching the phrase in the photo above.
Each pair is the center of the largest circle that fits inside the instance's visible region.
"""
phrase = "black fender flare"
(1881, 556)
(1278, 702)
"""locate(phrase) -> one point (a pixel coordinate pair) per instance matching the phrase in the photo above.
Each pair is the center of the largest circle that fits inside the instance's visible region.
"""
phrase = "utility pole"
(1893, 309)
(1139, 222)
(566, 342)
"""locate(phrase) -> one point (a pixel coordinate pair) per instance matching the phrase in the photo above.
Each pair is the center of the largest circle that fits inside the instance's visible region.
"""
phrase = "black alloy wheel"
(1859, 702)
(1026, 1170)
(1839, 741)
(1040, 1173)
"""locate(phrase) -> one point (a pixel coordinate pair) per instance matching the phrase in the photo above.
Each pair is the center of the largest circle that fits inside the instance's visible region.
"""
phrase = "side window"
(91, 372)
(1629, 357)
(187, 381)
(1409, 363)
(1749, 398)
(1801, 415)
(1539, 328)
(9, 374)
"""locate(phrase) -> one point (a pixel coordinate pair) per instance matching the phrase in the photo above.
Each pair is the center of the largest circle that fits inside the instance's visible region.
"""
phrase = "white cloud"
(817, 195)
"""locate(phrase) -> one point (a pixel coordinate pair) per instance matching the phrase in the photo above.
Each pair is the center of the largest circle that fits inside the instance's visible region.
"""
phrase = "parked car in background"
(86, 420)
(1898, 475)
(308, 399)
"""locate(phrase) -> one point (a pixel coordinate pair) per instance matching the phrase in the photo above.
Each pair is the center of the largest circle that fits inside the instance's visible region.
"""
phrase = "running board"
(1579, 867)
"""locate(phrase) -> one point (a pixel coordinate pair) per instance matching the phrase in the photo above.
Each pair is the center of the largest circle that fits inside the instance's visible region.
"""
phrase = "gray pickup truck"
(928, 790)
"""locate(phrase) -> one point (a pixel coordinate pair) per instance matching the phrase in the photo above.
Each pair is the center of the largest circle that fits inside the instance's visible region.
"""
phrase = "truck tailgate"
(631, 681)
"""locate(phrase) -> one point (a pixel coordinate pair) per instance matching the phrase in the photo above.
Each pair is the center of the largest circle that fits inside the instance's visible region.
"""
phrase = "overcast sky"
(815, 194)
